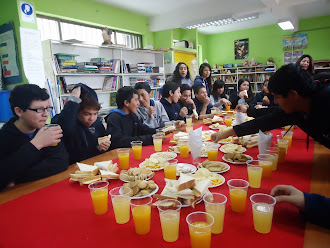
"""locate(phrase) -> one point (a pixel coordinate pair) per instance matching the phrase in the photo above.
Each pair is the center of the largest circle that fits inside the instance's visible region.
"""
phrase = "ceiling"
(170, 14)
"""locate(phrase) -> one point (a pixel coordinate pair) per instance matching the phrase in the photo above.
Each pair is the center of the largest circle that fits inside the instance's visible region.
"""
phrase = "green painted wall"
(163, 39)
(202, 40)
(265, 42)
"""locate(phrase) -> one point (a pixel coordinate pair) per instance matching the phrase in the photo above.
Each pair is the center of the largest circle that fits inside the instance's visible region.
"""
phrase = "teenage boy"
(185, 98)
(171, 96)
(80, 124)
(202, 102)
(150, 112)
(27, 150)
(123, 123)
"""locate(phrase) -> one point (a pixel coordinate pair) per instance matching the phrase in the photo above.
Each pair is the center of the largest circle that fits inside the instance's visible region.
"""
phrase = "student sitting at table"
(29, 150)
(185, 98)
(123, 123)
(244, 94)
(204, 77)
(81, 126)
(202, 102)
(264, 97)
(313, 207)
(171, 96)
(218, 98)
(150, 112)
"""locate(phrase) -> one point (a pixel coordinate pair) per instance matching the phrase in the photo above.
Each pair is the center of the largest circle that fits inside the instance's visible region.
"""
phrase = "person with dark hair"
(244, 94)
(202, 102)
(263, 97)
(150, 112)
(29, 150)
(204, 77)
(322, 78)
(123, 123)
(306, 63)
(181, 75)
(186, 100)
(171, 96)
(80, 124)
(218, 98)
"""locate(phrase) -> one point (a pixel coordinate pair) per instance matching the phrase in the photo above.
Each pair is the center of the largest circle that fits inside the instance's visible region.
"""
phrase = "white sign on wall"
(27, 12)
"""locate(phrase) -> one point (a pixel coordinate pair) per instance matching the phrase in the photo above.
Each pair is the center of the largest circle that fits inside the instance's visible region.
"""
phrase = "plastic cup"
(288, 136)
(282, 144)
(238, 191)
(189, 120)
(286, 128)
(212, 151)
(213, 111)
(254, 173)
(200, 226)
(184, 148)
(170, 169)
(123, 156)
(188, 129)
(228, 119)
(51, 126)
(215, 205)
(158, 142)
(227, 108)
(262, 209)
(274, 151)
(141, 211)
(266, 161)
(99, 194)
(137, 149)
(120, 197)
(169, 214)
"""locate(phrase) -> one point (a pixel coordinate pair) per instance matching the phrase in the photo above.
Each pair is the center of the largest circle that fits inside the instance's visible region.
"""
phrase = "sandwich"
(87, 169)
(185, 182)
(108, 174)
(195, 114)
(107, 165)
(201, 187)
(180, 135)
(103, 139)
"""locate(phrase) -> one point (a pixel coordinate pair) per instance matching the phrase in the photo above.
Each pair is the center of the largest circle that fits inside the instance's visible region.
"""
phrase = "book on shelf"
(101, 60)
(65, 62)
(113, 99)
(112, 83)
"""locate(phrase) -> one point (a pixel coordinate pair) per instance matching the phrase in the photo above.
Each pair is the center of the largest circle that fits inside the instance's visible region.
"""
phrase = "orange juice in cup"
(51, 126)
(184, 148)
(170, 169)
(212, 151)
(266, 161)
(120, 197)
(254, 173)
(215, 205)
(238, 192)
(288, 136)
(141, 211)
(227, 108)
(158, 142)
(282, 144)
(274, 151)
(228, 119)
(123, 156)
(137, 149)
(99, 194)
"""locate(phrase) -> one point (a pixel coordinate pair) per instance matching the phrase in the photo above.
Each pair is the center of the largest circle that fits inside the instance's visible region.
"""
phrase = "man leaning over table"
(123, 123)
(27, 150)
(304, 103)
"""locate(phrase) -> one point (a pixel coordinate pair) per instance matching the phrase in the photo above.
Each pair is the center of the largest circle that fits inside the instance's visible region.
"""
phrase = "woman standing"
(306, 63)
(181, 75)
(204, 77)
(218, 97)
(244, 94)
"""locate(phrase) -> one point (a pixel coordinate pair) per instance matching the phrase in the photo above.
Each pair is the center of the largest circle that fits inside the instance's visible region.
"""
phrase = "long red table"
(61, 215)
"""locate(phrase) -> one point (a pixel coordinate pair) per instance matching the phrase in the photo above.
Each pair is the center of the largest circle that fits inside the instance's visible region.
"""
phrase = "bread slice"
(91, 179)
(108, 174)
(202, 186)
(186, 194)
(179, 135)
(103, 139)
(185, 182)
(104, 165)
(88, 169)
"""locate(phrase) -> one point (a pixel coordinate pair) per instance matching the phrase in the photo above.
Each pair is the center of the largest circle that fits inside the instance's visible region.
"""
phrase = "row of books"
(152, 81)
(65, 62)
(112, 83)
(256, 87)
(155, 94)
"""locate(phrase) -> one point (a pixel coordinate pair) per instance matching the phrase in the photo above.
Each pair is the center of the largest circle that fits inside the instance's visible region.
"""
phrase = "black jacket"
(259, 98)
(20, 161)
(125, 128)
(172, 110)
(234, 98)
(79, 140)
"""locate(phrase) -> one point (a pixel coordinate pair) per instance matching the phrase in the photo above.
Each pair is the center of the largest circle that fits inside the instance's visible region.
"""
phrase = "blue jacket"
(201, 81)
(172, 109)
(199, 106)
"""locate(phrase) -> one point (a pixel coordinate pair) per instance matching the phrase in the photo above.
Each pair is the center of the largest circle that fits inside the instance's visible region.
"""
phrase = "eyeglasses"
(41, 110)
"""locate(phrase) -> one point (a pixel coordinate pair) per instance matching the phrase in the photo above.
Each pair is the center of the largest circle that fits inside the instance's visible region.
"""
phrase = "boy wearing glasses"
(27, 148)
(81, 126)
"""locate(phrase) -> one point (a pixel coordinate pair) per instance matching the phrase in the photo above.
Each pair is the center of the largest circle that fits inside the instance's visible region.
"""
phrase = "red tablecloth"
(61, 215)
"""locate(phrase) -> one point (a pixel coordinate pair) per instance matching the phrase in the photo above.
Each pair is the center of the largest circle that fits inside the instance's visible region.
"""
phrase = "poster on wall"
(27, 12)
(296, 41)
(292, 57)
(241, 48)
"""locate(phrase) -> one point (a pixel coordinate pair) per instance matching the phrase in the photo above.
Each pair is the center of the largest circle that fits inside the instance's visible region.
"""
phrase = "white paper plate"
(155, 155)
(177, 152)
(131, 181)
(141, 165)
(250, 158)
(144, 196)
(222, 149)
(184, 165)
(211, 127)
(225, 170)
(223, 181)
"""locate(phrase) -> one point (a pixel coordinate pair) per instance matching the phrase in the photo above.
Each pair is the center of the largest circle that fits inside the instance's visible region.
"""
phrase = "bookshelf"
(255, 74)
(321, 66)
(122, 67)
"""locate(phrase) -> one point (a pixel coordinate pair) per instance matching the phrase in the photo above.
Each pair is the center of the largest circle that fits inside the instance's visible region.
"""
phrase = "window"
(56, 29)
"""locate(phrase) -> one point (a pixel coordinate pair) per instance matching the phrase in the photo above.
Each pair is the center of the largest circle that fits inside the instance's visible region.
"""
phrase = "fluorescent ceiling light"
(285, 24)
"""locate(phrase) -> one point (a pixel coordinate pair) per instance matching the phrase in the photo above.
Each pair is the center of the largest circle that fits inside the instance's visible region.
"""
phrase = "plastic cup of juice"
(123, 156)
(169, 214)
(274, 151)
(215, 205)
(288, 136)
(51, 126)
(189, 120)
(238, 192)
(213, 111)
(188, 129)
(170, 169)
(99, 194)
(254, 173)
(120, 197)
(158, 142)
(137, 149)
(227, 108)
(282, 144)
(266, 161)
(200, 226)
(141, 211)
(228, 119)
(212, 151)
(262, 210)
(286, 128)
(184, 148)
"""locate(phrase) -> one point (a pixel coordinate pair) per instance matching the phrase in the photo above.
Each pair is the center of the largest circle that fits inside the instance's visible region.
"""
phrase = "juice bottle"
(141, 217)
(121, 208)
(238, 200)
(200, 238)
(100, 201)
(170, 221)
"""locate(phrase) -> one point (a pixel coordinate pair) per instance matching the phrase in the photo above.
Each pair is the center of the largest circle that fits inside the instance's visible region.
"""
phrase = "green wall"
(266, 41)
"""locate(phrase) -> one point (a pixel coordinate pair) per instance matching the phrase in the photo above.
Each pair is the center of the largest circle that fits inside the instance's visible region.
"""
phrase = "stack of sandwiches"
(186, 190)
(179, 136)
(92, 173)
(249, 140)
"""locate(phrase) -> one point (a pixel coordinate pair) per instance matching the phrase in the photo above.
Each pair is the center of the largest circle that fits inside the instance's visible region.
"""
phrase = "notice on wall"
(32, 56)
(27, 12)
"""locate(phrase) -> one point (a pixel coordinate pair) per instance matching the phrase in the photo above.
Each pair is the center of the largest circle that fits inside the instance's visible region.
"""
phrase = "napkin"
(239, 118)
(195, 143)
(264, 141)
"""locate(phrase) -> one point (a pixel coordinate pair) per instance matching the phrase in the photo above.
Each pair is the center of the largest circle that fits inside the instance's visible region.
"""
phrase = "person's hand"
(179, 124)
(183, 112)
(266, 100)
(206, 101)
(191, 103)
(76, 92)
(217, 110)
(104, 145)
(225, 102)
(288, 193)
(243, 94)
(151, 111)
(47, 137)
(241, 108)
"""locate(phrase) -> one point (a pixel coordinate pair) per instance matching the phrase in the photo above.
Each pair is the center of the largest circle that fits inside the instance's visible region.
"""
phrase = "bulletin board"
(183, 57)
